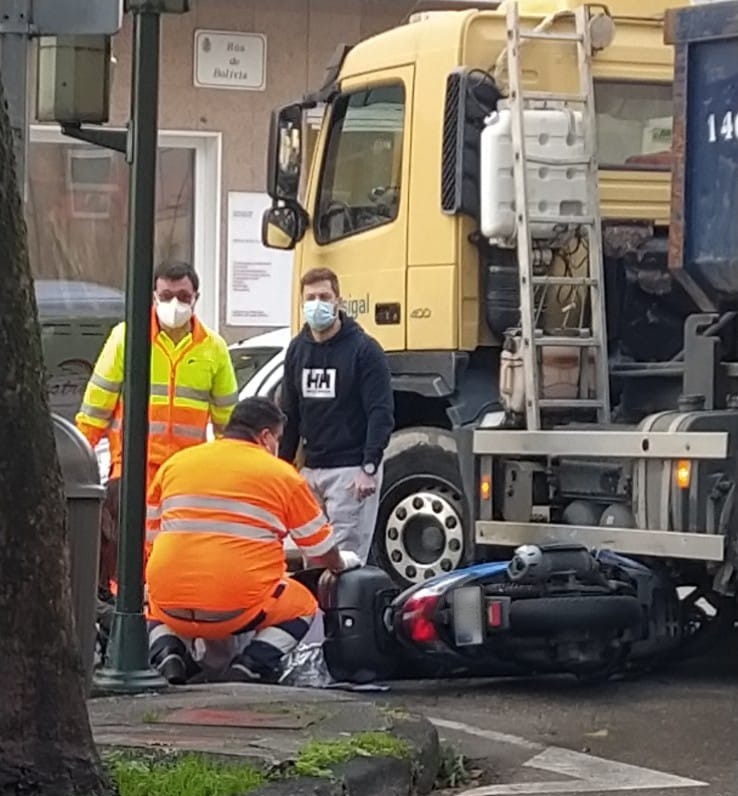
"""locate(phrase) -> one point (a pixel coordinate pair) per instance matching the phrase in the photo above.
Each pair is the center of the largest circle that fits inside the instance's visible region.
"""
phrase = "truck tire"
(552, 615)
(422, 511)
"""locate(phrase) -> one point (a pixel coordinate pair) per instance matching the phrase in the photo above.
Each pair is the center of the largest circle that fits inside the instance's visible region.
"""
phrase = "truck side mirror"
(285, 153)
(282, 227)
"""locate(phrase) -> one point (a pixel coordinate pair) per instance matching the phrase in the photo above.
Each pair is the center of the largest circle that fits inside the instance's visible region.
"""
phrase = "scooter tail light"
(417, 618)
(495, 616)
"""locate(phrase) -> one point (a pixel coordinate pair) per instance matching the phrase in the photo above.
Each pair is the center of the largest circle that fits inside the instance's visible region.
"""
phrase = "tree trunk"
(46, 743)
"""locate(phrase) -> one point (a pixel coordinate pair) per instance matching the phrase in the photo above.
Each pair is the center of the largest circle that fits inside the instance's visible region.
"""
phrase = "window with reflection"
(77, 211)
(248, 361)
(362, 166)
(313, 121)
(634, 123)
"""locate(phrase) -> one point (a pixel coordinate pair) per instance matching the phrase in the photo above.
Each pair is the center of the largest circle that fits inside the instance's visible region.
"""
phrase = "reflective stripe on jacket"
(191, 383)
(217, 516)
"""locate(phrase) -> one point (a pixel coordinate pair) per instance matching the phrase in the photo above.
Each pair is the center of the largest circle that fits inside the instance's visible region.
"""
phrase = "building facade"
(224, 66)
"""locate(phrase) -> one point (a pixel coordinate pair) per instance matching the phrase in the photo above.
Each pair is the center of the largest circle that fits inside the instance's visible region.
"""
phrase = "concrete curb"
(268, 727)
(376, 776)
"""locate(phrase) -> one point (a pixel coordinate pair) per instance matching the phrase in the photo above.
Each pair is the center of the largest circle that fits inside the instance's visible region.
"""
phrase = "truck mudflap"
(682, 467)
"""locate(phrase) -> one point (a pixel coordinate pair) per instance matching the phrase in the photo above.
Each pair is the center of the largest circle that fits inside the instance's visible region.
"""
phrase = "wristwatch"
(369, 468)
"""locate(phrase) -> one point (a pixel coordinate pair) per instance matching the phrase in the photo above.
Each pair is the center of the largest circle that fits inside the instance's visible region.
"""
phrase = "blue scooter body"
(550, 609)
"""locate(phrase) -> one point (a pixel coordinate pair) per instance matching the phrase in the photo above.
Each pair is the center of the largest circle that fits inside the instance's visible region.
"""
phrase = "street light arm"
(116, 140)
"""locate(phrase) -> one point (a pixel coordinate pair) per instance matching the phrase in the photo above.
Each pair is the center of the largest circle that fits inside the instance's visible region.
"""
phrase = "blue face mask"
(320, 315)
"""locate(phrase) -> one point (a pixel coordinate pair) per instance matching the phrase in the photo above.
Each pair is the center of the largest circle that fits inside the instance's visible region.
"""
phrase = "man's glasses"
(182, 295)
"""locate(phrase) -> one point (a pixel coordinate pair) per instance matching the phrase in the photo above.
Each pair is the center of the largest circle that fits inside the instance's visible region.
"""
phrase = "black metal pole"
(126, 668)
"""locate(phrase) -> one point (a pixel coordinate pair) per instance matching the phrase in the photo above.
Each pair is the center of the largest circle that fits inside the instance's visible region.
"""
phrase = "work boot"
(240, 672)
(173, 669)
(244, 670)
(169, 656)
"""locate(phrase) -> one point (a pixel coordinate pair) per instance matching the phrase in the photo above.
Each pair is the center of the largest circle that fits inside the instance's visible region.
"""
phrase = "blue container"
(703, 251)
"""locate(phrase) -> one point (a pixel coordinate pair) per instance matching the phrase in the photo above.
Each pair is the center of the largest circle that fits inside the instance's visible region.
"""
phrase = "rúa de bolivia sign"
(226, 59)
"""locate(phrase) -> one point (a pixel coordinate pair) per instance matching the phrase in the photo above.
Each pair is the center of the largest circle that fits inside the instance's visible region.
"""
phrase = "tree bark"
(46, 744)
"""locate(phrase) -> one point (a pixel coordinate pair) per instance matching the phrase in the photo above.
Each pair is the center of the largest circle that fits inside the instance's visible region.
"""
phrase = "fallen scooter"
(550, 609)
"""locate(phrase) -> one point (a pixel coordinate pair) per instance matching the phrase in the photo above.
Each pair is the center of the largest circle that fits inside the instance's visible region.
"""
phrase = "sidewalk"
(269, 726)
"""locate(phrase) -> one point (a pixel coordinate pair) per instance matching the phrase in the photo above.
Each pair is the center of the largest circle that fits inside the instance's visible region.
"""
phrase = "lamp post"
(126, 668)
(78, 22)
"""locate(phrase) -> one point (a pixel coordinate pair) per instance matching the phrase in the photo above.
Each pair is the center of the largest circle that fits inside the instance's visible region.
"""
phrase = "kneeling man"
(217, 515)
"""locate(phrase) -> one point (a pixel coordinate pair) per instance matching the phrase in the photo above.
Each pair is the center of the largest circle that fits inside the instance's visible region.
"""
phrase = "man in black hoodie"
(337, 396)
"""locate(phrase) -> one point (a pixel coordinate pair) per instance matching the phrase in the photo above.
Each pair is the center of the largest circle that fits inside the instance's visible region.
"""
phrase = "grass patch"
(161, 772)
(395, 713)
(181, 775)
(317, 758)
(452, 770)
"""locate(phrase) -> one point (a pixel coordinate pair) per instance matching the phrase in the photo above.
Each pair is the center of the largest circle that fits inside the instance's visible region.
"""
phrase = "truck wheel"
(421, 517)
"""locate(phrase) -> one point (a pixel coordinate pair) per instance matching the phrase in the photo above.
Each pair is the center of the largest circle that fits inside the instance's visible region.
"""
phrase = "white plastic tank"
(512, 380)
(555, 189)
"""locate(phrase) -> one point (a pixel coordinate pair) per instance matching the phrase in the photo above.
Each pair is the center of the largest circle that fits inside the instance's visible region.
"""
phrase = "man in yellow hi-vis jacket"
(192, 383)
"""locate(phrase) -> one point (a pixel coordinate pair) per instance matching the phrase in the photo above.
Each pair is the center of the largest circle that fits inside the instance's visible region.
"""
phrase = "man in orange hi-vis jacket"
(217, 517)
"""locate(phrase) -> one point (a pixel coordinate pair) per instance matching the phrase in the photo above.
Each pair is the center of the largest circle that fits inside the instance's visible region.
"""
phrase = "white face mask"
(173, 313)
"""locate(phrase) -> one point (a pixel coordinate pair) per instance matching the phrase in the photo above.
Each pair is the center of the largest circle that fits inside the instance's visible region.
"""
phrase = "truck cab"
(386, 192)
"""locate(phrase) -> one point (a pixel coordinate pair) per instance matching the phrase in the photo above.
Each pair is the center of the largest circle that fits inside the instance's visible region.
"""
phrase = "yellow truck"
(393, 195)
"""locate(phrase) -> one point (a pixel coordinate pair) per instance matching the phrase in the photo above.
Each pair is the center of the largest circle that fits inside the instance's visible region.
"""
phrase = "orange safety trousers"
(289, 600)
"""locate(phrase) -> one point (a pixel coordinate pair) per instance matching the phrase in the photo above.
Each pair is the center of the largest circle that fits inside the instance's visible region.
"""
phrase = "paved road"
(680, 725)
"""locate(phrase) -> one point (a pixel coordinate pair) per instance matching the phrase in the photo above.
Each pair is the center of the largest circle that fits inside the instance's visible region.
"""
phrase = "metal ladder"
(590, 340)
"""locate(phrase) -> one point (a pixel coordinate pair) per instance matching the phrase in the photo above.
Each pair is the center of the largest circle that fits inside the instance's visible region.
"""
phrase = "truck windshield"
(633, 124)
(362, 166)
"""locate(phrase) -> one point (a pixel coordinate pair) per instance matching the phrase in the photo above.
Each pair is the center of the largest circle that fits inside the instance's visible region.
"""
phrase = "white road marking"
(588, 774)
(490, 735)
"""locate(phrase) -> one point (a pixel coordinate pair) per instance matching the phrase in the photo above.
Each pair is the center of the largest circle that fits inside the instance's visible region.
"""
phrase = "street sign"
(71, 17)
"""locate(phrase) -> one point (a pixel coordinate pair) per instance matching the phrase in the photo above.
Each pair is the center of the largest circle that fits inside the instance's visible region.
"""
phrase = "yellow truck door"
(360, 204)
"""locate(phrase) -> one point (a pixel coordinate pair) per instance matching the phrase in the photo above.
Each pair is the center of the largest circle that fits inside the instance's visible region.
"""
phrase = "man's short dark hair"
(173, 270)
(251, 416)
(315, 275)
